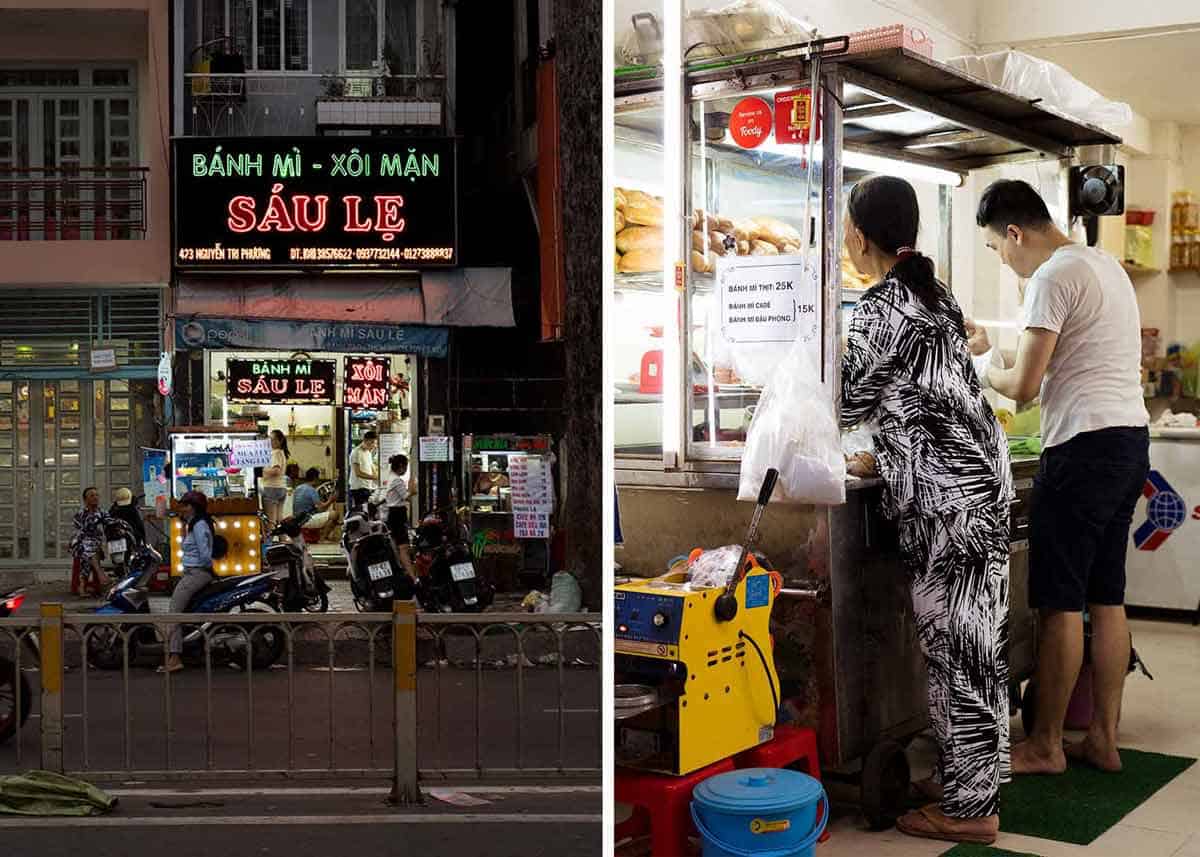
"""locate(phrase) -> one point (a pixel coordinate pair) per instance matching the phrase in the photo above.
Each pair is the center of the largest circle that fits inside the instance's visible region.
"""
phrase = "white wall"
(950, 23)
(1014, 22)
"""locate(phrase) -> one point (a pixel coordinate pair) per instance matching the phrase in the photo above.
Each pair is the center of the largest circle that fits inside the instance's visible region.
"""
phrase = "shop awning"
(459, 297)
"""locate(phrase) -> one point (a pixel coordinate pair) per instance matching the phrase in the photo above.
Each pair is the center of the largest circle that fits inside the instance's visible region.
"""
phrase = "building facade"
(85, 239)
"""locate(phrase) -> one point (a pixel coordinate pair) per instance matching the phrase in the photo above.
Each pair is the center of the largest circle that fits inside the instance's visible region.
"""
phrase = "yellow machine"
(695, 684)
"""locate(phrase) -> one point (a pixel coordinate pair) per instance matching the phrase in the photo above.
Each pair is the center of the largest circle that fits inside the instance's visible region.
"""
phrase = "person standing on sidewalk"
(364, 474)
(1081, 352)
(197, 570)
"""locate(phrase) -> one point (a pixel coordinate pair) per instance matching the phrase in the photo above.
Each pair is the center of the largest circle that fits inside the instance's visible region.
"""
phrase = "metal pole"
(405, 790)
(52, 686)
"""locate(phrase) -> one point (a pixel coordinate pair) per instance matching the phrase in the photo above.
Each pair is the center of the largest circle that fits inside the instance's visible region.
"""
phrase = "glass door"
(57, 438)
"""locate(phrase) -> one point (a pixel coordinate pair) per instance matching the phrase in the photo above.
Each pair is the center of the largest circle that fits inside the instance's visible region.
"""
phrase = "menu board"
(435, 449)
(365, 384)
(251, 453)
(532, 496)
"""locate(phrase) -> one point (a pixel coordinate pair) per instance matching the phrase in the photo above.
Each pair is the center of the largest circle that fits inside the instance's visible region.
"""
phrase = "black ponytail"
(885, 209)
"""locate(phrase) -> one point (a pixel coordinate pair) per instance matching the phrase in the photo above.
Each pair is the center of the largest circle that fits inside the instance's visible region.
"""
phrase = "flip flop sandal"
(925, 824)
(163, 670)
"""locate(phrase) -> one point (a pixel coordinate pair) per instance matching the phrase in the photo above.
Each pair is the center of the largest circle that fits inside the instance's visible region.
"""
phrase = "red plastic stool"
(666, 800)
(792, 745)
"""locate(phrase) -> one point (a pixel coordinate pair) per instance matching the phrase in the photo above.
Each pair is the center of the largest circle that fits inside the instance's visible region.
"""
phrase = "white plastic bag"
(565, 594)
(1033, 78)
(862, 439)
(795, 431)
(713, 568)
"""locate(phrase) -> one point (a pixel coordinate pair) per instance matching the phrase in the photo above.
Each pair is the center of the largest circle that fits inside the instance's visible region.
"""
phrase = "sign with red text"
(281, 382)
(270, 203)
(750, 122)
(365, 385)
(795, 120)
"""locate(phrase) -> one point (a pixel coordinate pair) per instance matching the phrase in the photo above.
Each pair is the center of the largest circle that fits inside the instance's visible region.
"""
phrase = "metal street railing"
(406, 696)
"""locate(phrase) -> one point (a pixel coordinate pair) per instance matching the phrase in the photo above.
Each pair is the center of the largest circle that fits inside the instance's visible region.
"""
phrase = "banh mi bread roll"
(743, 247)
(774, 231)
(640, 238)
(644, 213)
(763, 248)
(742, 230)
(621, 201)
(716, 243)
(701, 263)
(698, 241)
(619, 221)
(617, 262)
(641, 261)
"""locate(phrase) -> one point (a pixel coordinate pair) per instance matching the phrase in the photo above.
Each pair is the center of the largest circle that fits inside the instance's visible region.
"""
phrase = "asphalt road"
(315, 819)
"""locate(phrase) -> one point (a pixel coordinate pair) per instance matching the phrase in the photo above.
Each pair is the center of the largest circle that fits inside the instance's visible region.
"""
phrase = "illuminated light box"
(241, 532)
(281, 382)
(258, 203)
(366, 384)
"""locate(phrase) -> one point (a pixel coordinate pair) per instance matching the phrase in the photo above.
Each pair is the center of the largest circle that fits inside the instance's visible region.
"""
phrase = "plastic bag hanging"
(795, 430)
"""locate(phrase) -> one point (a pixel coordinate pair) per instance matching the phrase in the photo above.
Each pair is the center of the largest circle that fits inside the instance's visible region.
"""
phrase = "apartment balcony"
(287, 104)
(73, 203)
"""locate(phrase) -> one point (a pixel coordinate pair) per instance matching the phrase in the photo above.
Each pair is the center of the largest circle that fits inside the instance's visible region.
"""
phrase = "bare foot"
(1092, 751)
(1030, 759)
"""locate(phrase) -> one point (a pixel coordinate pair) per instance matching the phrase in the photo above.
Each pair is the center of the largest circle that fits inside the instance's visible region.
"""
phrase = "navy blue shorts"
(1082, 507)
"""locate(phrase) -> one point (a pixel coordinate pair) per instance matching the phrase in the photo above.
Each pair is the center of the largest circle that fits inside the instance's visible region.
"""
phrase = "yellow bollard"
(51, 642)
(405, 790)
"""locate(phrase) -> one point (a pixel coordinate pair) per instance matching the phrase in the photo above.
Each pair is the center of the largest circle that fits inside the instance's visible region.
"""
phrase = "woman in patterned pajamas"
(944, 462)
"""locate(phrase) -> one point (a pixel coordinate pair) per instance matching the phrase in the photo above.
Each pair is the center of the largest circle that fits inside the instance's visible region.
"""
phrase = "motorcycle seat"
(223, 584)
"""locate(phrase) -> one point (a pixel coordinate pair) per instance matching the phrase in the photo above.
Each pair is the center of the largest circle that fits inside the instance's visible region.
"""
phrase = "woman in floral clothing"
(89, 540)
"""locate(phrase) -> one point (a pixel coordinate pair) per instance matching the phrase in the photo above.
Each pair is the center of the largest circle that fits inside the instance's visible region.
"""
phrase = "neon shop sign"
(315, 202)
(281, 382)
(366, 385)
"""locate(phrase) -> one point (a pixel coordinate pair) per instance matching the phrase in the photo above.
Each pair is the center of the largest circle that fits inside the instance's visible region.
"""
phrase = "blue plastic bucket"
(760, 812)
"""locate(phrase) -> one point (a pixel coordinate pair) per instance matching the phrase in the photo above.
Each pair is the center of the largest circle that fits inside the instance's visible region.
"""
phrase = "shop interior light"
(673, 250)
(224, 525)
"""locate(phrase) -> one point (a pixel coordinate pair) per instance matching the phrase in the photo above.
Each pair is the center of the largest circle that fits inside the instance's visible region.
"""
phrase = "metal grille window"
(43, 331)
(361, 34)
(268, 35)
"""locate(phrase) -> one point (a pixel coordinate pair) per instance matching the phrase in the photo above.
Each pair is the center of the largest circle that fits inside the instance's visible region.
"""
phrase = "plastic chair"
(666, 801)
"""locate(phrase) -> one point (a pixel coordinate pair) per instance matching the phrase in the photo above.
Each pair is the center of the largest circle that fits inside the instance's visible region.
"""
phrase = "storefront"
(316, 290)
(758, 171)
(77, 406)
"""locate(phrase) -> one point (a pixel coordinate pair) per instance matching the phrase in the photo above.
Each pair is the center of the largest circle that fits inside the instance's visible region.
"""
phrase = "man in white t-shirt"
(364, 474)
(1081, 353)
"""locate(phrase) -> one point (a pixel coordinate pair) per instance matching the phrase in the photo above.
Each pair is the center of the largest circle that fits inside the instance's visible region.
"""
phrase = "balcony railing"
(299, 104)
(73, 203)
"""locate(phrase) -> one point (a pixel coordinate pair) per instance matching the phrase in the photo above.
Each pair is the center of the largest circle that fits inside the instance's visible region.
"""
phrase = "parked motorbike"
(289, 558)
(13, 711)
(121, 543)
(250, 594)
(446, 577)
(377, 577)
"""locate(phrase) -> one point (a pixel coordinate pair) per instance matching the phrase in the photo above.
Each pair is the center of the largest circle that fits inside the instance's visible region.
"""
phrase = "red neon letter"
(300, 209)
(353, 221)
(241, 214)
(387, 215)
(277, 216)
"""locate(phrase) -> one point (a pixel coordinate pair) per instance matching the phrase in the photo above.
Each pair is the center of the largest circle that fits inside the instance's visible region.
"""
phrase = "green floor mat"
(1080, 805)
(984, 851)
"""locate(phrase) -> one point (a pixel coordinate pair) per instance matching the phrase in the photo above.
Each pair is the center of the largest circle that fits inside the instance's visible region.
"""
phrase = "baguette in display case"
(775, 232)
(640, 238)
(641, 261)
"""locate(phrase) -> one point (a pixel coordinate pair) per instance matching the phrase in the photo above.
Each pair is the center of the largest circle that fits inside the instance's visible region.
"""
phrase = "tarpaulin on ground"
(44, 793)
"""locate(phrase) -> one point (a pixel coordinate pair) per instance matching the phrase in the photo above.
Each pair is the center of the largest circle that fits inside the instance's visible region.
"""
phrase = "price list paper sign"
(532, 496)
(768, 299)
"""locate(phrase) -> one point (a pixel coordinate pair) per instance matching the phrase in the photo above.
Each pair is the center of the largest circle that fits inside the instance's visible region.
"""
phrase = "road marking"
(303, 820)
(347, 790)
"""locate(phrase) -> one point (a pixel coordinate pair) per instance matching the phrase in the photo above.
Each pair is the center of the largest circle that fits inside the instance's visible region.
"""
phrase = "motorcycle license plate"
(116, 547)
(462, 571)
(379, 570)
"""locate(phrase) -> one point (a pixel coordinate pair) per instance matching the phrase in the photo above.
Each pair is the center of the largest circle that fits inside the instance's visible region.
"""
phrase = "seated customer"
(306, 500)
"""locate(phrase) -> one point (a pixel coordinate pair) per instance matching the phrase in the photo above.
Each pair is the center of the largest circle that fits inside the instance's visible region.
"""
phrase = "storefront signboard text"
(216, 333)
(261, 203)
(366, 384)
(281, 382)
(251, 453)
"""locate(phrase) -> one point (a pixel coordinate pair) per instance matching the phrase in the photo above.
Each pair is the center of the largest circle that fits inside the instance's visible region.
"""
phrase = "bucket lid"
(758, 790)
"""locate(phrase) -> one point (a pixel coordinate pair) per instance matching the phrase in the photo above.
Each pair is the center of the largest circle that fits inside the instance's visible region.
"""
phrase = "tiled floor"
(1161, 716)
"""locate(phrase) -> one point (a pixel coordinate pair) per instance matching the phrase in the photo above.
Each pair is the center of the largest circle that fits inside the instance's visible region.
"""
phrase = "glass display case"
(203, 461)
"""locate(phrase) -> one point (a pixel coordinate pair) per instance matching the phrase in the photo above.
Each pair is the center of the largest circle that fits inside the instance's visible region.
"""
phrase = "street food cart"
(220, 463)
(691, 358)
